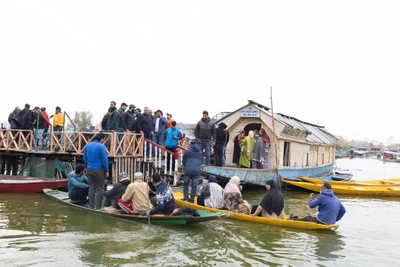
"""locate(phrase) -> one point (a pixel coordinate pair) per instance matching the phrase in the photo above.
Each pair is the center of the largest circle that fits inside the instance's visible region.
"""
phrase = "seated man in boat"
(164, 202)
(272, 205)
(136, 199)
(211, 194)
(233, 197)
(113, 195)
(330, 209)
(78, 185)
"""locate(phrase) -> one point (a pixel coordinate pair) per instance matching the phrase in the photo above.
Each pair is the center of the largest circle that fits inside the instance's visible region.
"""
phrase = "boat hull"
(382, 182)
(370, 190)
(19, 184)
(154, 219)
(259, 177)
(256, 219)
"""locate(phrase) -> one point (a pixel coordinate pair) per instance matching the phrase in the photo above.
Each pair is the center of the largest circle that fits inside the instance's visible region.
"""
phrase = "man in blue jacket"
(172, 135)
(330, 209)
(95, 158)
(160, 123)
(78, 185)
(192, 161)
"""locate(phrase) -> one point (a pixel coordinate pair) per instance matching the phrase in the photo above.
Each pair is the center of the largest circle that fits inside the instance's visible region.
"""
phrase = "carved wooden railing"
(69, 142)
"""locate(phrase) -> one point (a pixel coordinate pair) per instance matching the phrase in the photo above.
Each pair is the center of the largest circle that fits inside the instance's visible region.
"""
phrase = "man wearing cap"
(159, 125)
(95, 158)
(211, 194)
(136, 199)
(192, 162)
(205, 133)
(112, 196)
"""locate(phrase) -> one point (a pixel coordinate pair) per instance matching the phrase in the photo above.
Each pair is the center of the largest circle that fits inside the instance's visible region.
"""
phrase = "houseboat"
(301, 148)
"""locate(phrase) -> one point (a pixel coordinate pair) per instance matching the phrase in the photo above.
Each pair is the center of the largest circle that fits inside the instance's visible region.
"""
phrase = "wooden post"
(276, 149)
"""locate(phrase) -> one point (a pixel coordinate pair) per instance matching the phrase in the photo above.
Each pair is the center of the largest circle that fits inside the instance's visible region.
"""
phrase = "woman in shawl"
(247, 146)
(260, 152)
(211, 194)
(236, 148)
(272, 205)
(233, 197)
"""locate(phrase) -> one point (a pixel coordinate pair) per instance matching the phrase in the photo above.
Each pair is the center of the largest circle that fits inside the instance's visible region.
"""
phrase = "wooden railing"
(127, 144)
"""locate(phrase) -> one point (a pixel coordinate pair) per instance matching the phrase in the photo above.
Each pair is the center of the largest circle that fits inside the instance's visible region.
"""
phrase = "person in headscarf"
(260, 151)
(211, 194)
(236, 147)
(113, 195)
(247, 146)
(233, 197)
(272, 205)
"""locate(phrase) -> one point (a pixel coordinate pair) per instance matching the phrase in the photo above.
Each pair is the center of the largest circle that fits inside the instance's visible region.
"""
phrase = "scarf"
(233, 186)
(250, 136)
(273, 200)
(240, 137)
(266, 140)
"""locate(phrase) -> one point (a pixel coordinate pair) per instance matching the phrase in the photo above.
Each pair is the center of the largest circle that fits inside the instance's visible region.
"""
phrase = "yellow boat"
(371, 190)
(384, 182)
(257, 219)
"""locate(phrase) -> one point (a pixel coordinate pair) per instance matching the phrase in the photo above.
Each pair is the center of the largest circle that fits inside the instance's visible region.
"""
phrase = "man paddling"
(330, 209)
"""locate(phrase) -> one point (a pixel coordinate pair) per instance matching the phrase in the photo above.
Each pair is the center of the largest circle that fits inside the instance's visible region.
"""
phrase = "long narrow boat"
(371, 190)
(385, 182)
(154, 219)
(20, 184)
(257, 219)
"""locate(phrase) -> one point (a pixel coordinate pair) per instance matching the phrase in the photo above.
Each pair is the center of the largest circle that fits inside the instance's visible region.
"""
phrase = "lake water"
(36, 231)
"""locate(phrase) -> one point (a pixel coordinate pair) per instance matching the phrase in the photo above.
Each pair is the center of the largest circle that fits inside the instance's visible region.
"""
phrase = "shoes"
(87, 206)
(293, 217)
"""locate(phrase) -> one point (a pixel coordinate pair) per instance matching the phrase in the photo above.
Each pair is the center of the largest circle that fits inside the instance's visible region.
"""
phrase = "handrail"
(70, 120)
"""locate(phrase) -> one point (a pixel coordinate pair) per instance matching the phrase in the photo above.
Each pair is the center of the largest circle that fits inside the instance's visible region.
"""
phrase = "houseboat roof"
(315, 133)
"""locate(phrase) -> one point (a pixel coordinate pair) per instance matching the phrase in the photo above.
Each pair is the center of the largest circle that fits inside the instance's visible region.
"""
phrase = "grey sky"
(333, 63)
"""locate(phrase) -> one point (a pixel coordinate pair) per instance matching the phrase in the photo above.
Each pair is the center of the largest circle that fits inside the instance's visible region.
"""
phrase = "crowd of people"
(37, 121)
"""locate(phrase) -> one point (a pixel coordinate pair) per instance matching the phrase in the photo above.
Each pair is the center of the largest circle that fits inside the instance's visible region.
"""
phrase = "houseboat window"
(296, 133)
(307, 159)
(286, 154)
(285, 131)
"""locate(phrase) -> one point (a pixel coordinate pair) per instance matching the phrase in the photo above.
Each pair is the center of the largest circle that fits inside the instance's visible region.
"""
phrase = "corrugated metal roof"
(316, 134)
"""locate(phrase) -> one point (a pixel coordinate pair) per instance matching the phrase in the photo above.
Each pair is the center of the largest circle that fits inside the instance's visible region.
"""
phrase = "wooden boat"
(259, 177)
(257, 219)
(154, 219)
(20, 184)
(385, 182)
(352, 189)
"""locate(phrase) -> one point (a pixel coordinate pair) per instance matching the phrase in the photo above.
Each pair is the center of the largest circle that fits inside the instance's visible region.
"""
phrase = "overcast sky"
(332, 63)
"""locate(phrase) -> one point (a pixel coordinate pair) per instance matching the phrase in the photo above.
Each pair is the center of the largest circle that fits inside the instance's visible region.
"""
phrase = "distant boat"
(19, 184)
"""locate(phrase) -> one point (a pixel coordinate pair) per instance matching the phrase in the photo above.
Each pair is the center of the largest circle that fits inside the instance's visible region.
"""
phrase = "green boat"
(154, 219)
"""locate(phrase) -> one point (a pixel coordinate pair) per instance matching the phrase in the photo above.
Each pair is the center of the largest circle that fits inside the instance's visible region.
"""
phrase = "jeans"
(195, 181)
(96, 187)
(158, 138)
(110, 201)
(120, 133)
(219, 155)
(207, 146)
(39, 136)
(169, 157)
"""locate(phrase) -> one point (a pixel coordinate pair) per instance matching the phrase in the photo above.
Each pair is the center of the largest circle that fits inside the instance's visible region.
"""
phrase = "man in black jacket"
(145, 127)
(116, 192)
(205, 134)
